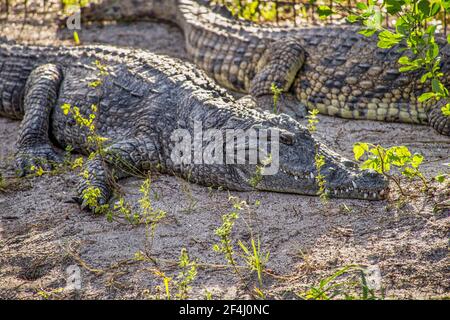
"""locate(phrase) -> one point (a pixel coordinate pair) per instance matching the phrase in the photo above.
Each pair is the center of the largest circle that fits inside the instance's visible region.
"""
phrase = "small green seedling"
(276, 96)
(384, 160)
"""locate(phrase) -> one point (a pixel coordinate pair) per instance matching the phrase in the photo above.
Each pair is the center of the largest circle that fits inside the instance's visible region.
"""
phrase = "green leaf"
(409, 172)
(394, 6)
(445, 4)
(426, 76)
(446, 110)
(66, 108)
(387, 39)
(352, 18)
(437, 86)
(324, 11)
(398, 156)
(404, 60)
(372, 164)
(440, 177)
(432, 51)
(426, 96)
(431, 30)
(361, 6)
(416, 160)
(402, 151)
(424, 7)
(367, 32)
(374, 20)
(359, 149)
(411, 67)
(435, 8)
(76, 38)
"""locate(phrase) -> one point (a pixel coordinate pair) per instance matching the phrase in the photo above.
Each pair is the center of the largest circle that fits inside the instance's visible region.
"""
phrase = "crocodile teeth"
(312, 175)
(366, 195)
(295, 177)
(354, 184)
(374, 194)
(335, 192)
(381, 192)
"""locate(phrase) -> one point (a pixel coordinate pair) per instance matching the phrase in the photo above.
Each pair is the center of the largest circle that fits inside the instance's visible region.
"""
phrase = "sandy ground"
(43, 236)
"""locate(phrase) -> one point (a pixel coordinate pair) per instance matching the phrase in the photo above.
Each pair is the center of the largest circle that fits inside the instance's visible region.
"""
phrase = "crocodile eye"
(287, 138)
(350, 164)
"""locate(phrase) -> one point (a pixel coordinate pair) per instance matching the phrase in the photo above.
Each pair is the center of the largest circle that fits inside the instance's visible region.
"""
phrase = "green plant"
(147, 214)
(46, 295)
(125, 210)
(253, 256)
(224, 233)
(383, 160)
(312, 120)
(77, 3)
(95, 141)
(413, 30)
(37, 170)
(319, 162)
(182, 282)
(187, 274)
(192, 201)
(342, 284)
(276, 96)
(91, 195)
(76, 38)
(439, 178)
(256, 178)
(166, 282)
(252, 10)
(208, 295)
(255, 259)
(150, 216)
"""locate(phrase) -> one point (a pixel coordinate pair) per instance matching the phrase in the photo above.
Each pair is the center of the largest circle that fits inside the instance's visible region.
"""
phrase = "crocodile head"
(297, 170)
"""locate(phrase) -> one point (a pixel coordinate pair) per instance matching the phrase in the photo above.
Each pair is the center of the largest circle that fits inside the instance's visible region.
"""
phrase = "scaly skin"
(142, 99)
(332, 68)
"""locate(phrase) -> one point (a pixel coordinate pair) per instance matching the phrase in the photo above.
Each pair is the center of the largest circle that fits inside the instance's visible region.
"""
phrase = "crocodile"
(140, 100)
(331, 68)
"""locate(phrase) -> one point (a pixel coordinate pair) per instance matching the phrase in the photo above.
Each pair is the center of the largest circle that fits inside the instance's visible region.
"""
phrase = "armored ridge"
(333, 68)
(141, 100)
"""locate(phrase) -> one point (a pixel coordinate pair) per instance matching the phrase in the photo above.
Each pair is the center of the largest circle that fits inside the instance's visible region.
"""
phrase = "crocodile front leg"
(33, 146)
(128, 157)
(278, 67)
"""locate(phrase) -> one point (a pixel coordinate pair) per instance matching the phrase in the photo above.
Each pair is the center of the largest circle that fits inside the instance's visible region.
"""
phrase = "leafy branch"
(414, 31)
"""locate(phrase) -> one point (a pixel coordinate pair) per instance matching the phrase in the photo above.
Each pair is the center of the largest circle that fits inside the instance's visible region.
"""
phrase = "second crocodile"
(332, 68)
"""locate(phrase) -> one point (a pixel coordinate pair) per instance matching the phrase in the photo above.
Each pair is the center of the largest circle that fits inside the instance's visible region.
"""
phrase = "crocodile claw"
(28, 158)
(84, 204)
(102, 199)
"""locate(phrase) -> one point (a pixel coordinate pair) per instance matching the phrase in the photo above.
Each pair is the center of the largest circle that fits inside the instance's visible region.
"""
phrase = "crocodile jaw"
(298, 173)
(362, 185)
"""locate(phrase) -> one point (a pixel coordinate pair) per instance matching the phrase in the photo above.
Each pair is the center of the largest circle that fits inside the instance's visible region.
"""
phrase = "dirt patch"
(42, 233)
